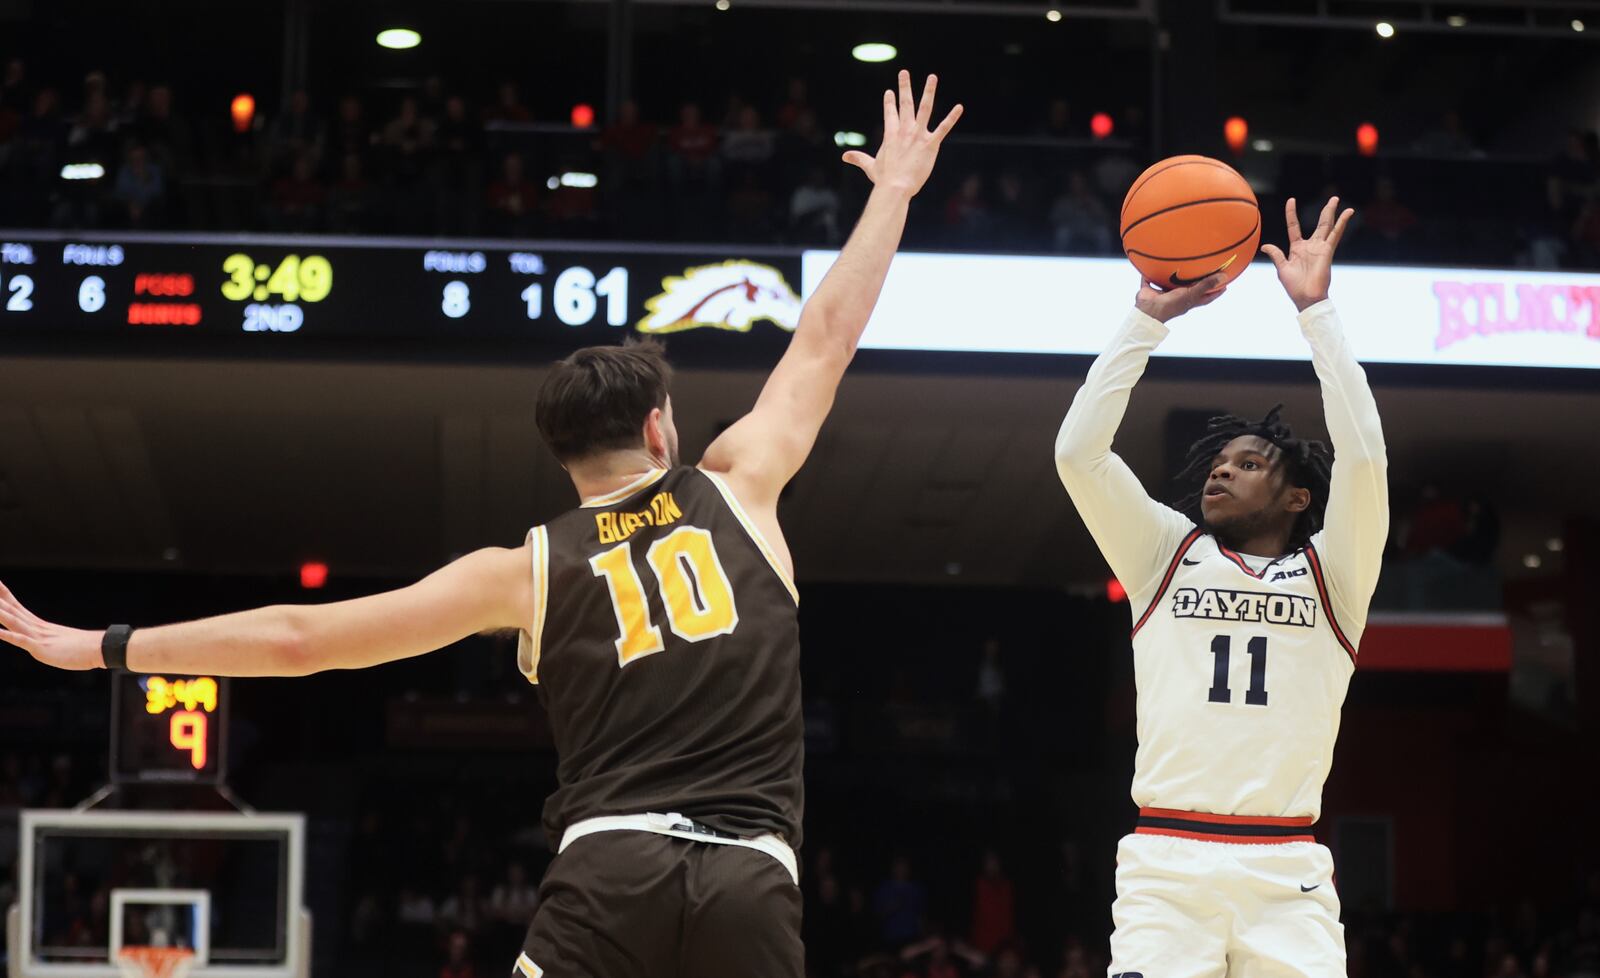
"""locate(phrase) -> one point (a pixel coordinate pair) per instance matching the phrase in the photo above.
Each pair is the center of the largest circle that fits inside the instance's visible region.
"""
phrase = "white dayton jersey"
(1241, 662)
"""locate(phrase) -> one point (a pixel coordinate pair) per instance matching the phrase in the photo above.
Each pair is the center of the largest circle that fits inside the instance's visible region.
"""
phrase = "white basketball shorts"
(1194, 901)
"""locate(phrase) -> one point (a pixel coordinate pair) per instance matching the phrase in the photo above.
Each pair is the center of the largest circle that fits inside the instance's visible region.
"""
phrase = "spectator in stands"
(899, 905)
(994, 906)
(350, 200)
(295, 132)
(694, 172)
(814, 210)
(135, 102)
(351, 132)
(1080, 220)
(298, 197)
(794, 104)
(628, 150)
(802, 146)
(165, 133)
(966, 213)
(14, 94)
(139, 188)
(431, 100)
(453, 173)
(31, 168)
(407, 139)
(457, 962)
(1390, 222)
(513, 200)
(465, 909)
(1015, 216)
(515, 898)
(508, 105)
(92, 136)
(91, 139)
(747, 148)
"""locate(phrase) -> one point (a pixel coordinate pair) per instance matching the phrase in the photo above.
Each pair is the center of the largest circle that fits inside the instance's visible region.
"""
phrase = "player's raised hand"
(1163, 304)
(909, 148)
(54, 645)
(1308, 269)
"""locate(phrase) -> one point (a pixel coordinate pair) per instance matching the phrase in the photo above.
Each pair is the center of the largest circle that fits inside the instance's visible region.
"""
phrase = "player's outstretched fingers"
(948, 123)
(1275, 253)
(908, 106)
(1339, 226)
(1291, 217)
(891, 115)
(925, 109)
(1325, 220)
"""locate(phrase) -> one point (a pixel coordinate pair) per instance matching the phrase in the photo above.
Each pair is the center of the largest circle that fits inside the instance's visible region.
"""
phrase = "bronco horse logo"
(733, 295)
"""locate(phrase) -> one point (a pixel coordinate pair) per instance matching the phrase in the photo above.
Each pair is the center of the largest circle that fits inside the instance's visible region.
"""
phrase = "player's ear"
(655, 432)
(1299, 500)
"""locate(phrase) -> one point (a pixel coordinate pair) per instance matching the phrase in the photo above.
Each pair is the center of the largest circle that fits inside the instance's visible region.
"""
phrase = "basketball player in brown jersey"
(658, 620)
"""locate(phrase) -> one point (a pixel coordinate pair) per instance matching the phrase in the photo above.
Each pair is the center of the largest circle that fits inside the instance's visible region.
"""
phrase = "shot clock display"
(282, 294)
(168, 728)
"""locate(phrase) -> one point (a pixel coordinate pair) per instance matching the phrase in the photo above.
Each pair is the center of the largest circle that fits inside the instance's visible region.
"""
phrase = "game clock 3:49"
(294, 280)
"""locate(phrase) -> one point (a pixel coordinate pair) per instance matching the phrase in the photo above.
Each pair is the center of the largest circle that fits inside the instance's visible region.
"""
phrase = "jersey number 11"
(1256, 695)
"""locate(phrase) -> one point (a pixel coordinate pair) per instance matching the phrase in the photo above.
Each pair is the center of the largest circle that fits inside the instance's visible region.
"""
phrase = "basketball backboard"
(228, 887)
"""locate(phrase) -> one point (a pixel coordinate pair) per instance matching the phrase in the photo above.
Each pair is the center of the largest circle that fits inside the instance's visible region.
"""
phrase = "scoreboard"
(168, 728)
(294, 291)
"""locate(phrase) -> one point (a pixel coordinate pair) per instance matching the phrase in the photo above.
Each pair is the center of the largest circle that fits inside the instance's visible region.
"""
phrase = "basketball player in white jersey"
(1245, 634)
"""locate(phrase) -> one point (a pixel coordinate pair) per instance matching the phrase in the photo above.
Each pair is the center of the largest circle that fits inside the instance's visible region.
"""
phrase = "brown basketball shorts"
(634, 904)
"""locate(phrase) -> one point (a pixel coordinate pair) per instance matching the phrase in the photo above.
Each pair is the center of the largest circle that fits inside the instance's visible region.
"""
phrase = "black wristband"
(114, 647)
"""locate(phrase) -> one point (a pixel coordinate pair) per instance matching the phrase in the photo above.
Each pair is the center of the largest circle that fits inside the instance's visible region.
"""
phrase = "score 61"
(575, 297)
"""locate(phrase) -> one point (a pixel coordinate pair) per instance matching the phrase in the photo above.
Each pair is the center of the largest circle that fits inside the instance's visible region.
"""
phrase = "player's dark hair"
(597, 399)
(1307, 464)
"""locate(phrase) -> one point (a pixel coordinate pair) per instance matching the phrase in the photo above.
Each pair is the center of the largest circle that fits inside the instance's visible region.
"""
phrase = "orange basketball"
(1187, 217)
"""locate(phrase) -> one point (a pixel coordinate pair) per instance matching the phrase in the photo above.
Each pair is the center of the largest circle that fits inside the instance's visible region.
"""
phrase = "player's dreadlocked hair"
(1308, 465)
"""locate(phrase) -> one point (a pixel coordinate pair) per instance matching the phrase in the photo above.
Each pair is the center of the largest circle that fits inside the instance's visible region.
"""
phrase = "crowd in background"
(459, 902)
(433, 160)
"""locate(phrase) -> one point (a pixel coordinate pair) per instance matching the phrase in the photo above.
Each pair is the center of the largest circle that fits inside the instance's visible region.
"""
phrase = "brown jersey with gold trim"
(667, 652)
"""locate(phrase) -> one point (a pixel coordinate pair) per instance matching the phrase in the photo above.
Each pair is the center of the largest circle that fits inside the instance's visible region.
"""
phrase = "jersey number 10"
(694, 589)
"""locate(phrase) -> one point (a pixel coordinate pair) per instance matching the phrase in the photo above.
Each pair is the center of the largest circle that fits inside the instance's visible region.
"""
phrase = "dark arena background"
(275, 299)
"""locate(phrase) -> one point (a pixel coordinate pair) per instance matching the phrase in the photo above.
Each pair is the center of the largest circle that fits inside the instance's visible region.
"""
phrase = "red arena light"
(1115, 592)
(313, 574)
(582, 115)
(243, 111)
(1101, 125)
(1367, 139)
(1236, 131)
